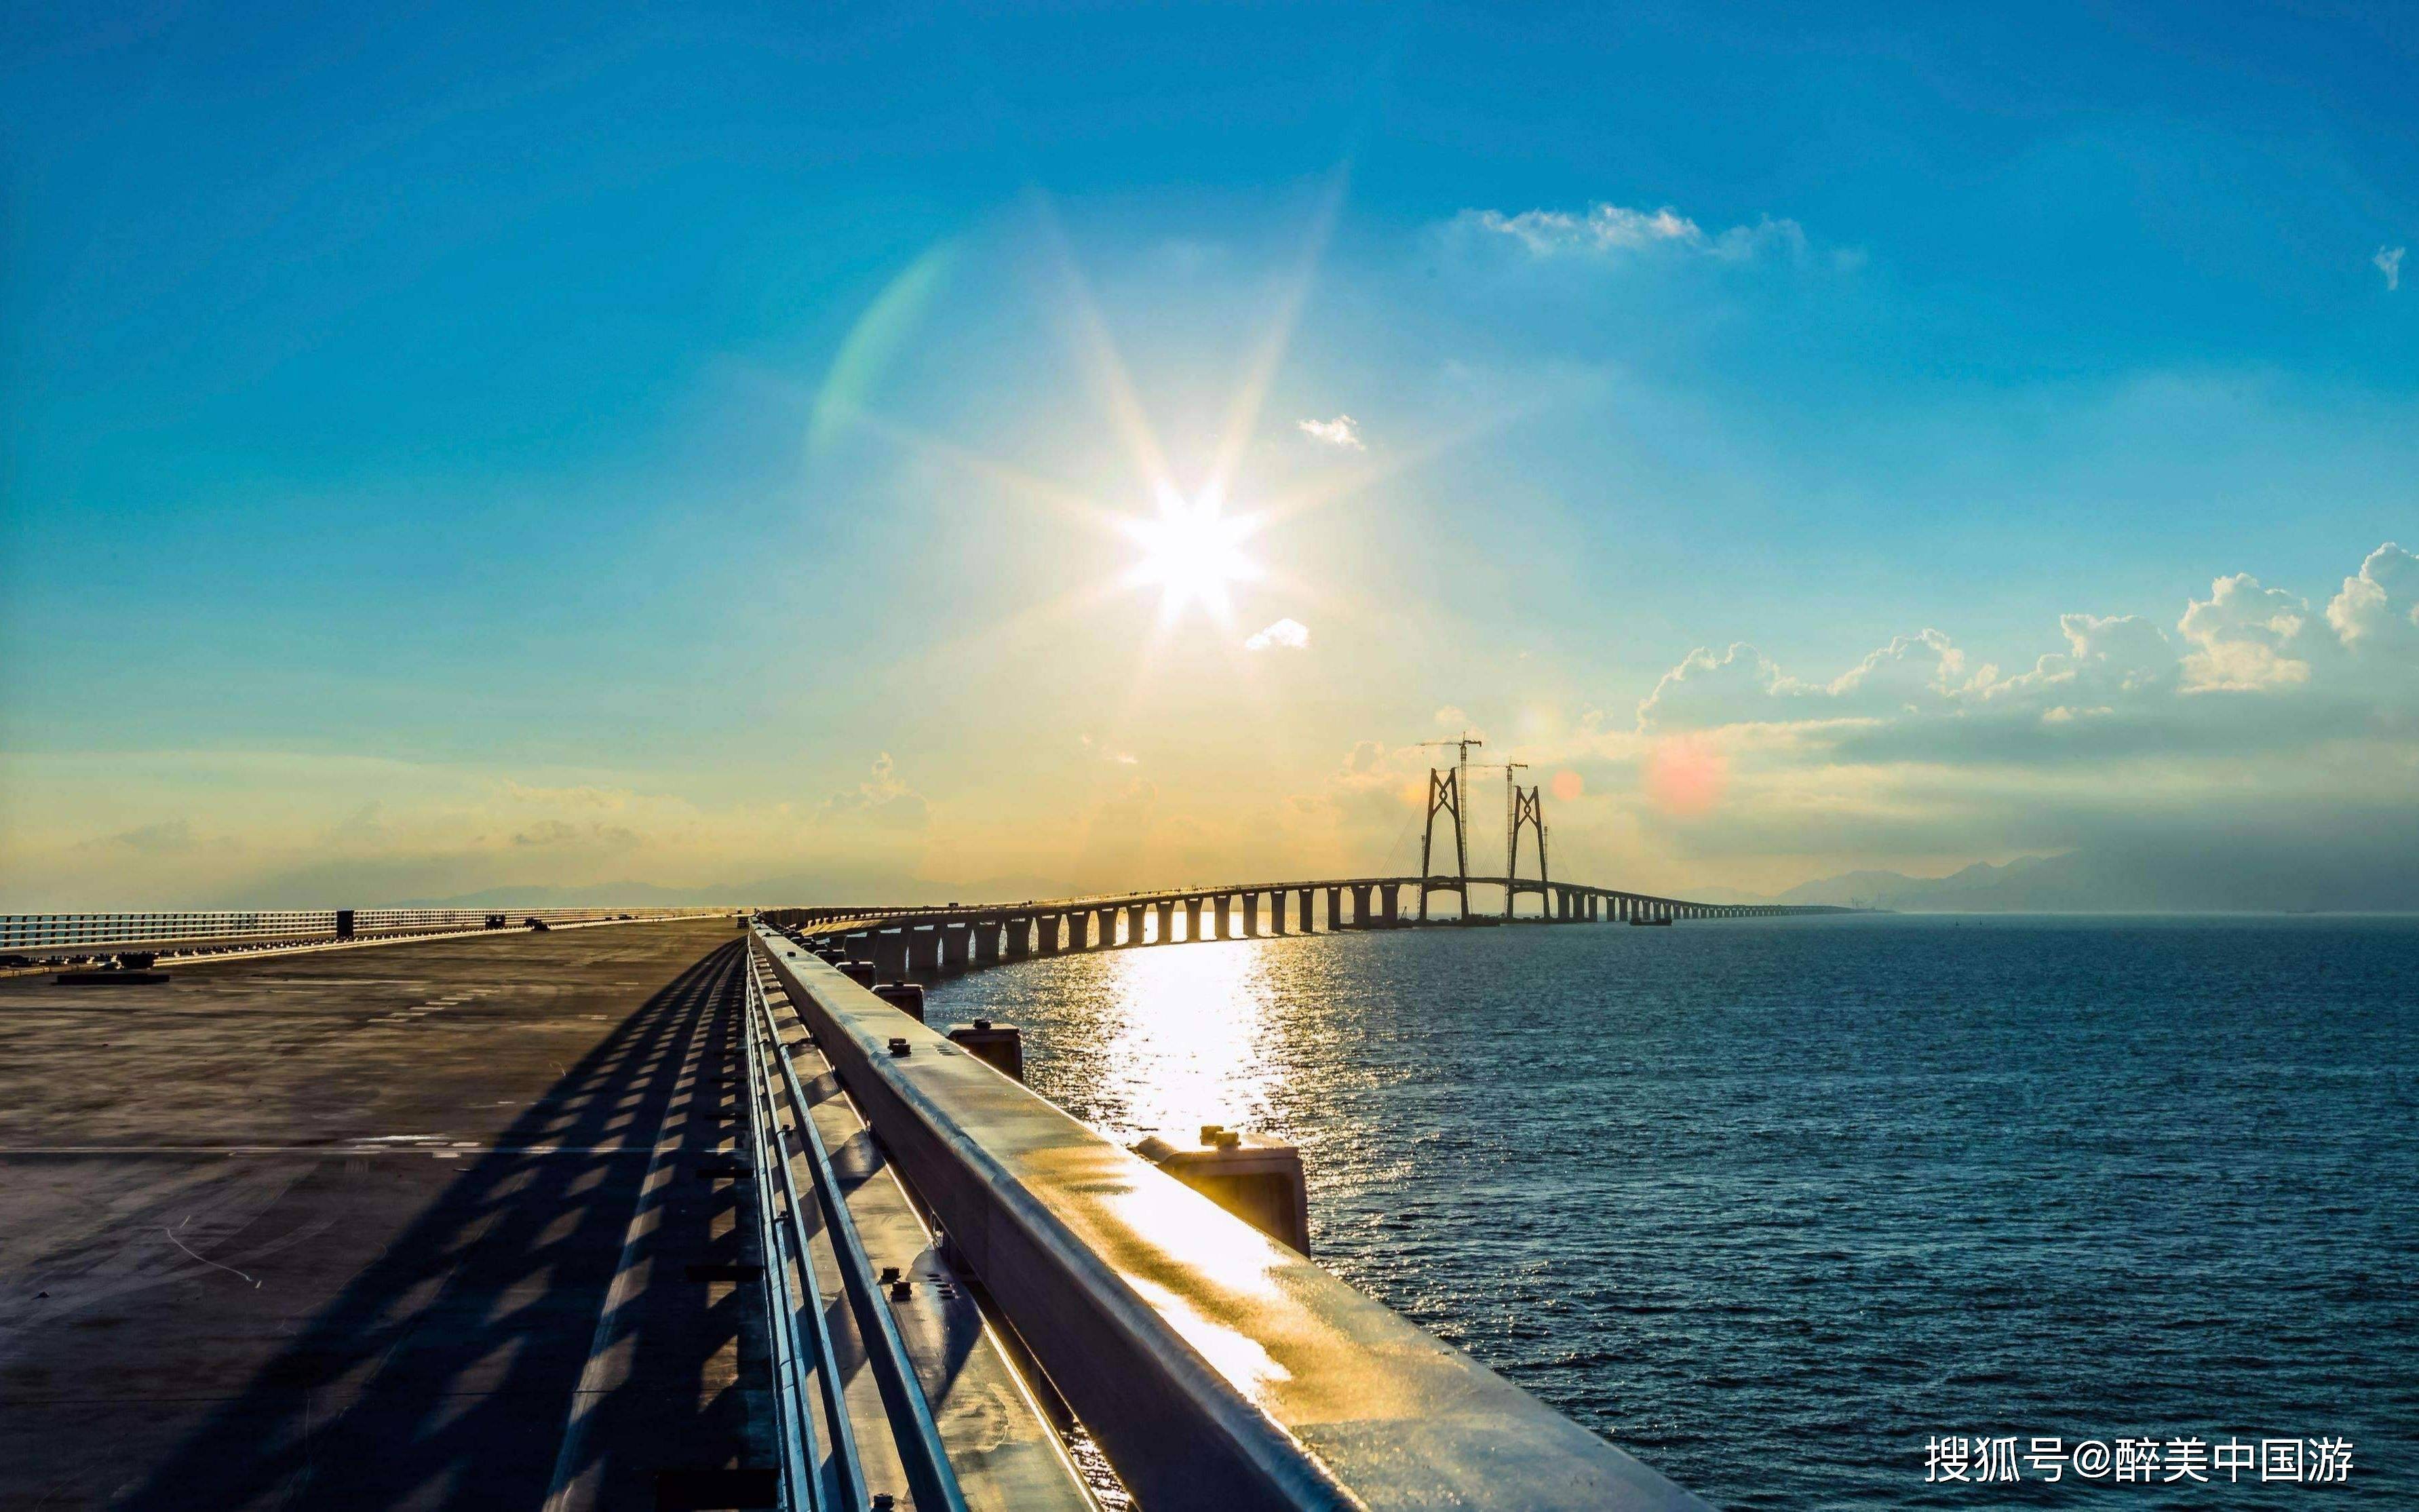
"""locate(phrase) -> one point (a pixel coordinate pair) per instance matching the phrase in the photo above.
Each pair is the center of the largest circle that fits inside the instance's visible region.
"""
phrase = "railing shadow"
(443, 1374)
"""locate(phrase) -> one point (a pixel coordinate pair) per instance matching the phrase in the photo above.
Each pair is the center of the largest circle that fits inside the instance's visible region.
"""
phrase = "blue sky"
(462, 449)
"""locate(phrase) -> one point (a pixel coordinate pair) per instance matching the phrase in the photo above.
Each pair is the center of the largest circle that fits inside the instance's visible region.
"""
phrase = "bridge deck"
(335, 1229)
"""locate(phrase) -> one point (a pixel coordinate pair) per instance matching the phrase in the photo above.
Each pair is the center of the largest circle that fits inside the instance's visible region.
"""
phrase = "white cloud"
(2242, 638)
(882, 800)
(1343, 432)
(2388, 262)
(1606, 229)
(1289, 635)
(2380, 607)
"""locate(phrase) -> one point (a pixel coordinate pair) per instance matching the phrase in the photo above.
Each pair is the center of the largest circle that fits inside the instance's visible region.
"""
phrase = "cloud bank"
(2254, 718)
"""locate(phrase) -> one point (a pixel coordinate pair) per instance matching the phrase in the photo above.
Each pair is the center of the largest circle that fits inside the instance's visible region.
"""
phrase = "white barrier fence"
(26, 933)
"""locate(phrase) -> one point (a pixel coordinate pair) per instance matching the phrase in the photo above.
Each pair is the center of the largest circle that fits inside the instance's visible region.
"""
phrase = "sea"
(1794, 1209)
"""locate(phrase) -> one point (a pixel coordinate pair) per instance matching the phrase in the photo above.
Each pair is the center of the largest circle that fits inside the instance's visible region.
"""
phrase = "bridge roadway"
(443, 1224)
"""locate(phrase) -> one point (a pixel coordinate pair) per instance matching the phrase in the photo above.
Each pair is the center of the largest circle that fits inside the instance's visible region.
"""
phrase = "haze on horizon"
(944, 453)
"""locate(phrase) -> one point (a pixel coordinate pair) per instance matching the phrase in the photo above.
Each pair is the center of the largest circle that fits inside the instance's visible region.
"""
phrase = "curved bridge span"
(943, 939)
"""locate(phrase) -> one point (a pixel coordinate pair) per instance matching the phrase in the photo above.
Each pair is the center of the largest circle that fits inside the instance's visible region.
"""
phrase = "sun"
(1192, 552)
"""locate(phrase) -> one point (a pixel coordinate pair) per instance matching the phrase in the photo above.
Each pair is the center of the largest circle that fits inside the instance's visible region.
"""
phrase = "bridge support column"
(1079, 931)
(890, 955)
(1334, 909)
(1192, 920)
(1361, 906)
(1218, 909)
(1167, 922)
(986, 936)
(924, 951)
(957, 945)
(1389, 904)
(1048, 927)
(1020, 938)
(1250, 916)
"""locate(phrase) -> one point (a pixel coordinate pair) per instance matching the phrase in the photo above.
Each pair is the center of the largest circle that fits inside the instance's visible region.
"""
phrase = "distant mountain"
(2232, 875)
(797, 888)
(598, 895)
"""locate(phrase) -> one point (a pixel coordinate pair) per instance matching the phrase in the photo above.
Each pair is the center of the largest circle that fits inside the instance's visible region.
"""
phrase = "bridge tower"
(1528, 812)
(1445, 790)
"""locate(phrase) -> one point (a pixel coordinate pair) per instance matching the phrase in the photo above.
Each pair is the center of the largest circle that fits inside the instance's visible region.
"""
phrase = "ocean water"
(1775, 1204)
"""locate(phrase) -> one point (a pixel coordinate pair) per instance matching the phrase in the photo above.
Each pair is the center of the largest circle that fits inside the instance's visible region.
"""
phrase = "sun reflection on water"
(1186, 1045)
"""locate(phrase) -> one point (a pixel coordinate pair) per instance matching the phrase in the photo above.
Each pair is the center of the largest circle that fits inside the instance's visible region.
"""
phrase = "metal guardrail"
(1217, 1368)
(933, 1483)
(782, 1242)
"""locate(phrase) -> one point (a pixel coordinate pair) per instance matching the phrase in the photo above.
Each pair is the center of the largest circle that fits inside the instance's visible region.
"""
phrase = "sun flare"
(1192, 552)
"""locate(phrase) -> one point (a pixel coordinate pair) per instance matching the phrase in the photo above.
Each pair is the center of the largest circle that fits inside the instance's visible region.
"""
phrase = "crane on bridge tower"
(1445, 790)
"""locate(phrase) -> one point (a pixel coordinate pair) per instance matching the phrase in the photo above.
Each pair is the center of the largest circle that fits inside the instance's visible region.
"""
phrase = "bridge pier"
(1079, 931)
(1218, 906)
(1046, 928)
(1167, 922)
(1334, 909)
(1389, 904)
(957, 945)
(1020, 938)
(1250, 916)
(890, 955)
(924, 951)
(1278, 912)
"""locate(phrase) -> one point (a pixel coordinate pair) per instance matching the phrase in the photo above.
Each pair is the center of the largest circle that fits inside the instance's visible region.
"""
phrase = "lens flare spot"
(1568, 785)
(1686, 775)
